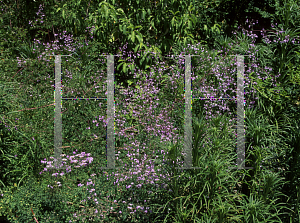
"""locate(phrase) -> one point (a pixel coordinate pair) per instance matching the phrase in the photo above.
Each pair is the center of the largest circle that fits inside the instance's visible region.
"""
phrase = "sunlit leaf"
(124, 67)
(132, 36)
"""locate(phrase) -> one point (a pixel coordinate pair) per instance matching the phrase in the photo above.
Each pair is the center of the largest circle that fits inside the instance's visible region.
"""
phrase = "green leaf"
(120, 11)
(166, 77)
(130, 26)
(142, 60)
(143, 14)
(120, 65)
(132, 67)
(105, 11)
(124, 29)
(114, 17)
(129, 82)
(140, 38)
(136, 48)
(142, 45)
(124, 67)
(132, 36)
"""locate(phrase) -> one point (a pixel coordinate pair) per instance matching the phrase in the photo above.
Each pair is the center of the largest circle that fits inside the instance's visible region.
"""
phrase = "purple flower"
(88, 183)
(90, 159)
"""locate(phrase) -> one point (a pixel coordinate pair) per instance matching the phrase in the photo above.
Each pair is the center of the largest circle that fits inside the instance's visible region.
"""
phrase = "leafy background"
(90, 28)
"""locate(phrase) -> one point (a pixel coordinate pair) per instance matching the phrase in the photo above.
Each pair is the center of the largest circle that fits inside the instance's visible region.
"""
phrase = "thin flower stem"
(34, 216)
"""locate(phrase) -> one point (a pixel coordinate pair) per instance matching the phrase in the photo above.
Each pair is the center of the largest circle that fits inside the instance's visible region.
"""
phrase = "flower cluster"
(76, 159)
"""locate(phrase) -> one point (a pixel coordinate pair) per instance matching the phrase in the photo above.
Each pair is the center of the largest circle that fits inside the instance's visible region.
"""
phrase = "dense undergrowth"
(149, 131)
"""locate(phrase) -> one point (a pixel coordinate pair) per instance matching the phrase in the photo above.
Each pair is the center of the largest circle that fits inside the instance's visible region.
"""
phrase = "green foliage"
(287, 18)
(139, 24)
(213, 193)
